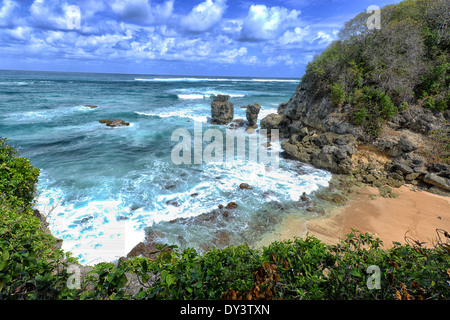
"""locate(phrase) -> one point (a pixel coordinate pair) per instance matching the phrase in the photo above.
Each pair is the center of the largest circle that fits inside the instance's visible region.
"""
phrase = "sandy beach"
(416, 214)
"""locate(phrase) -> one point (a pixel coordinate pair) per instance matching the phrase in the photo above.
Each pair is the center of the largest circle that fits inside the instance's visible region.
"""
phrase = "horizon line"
(149, 74)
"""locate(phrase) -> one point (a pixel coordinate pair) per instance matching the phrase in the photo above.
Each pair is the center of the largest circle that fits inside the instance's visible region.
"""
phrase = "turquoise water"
(103, 188)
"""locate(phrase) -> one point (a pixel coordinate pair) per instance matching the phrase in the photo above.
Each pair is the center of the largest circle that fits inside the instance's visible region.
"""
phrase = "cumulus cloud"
(204, 16)
(265, 23)
(141, 11)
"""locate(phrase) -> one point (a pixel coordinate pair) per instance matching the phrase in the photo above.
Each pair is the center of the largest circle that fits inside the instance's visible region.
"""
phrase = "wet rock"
(231, 205)
(272, 121)
(115, 123)
(172, 203)
(221, 239)
(148, 250)
(252, 113)
(244, 186)
(90, 106)
(222, 111)
(251, 129)
(237, 123)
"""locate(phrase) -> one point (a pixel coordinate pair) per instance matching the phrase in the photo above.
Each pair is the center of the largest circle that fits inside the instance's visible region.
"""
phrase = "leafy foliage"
(407, 60)
(31, 267)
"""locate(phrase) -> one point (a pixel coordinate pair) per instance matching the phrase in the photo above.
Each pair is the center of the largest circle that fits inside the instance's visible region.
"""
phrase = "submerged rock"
(90, 106)
(222, 111)
(115, 123)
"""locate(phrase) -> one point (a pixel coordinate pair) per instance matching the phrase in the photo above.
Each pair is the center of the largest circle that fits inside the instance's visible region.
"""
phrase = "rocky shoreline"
(320, 134)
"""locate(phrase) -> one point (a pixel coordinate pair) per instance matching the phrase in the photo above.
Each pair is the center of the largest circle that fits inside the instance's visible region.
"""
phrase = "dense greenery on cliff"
(31, 267)
(382, 71)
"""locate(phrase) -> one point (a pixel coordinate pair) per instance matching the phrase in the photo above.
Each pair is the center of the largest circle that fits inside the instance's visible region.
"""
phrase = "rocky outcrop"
(252, 113)
(325, 150)
(115, 123)
(222, 110)
(318, 133)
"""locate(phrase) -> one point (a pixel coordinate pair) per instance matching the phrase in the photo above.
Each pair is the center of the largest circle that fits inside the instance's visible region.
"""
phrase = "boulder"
(272, 121)
(434, 179)
(149, 250)
(222, 111)
(115, 123)
(252, 113)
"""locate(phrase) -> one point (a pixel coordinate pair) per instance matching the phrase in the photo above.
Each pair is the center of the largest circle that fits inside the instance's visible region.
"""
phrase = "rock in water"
(115, 123)
(222, 111)
(252, 113)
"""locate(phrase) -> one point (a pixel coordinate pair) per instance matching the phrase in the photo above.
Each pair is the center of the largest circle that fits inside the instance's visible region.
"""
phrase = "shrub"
(337, 94)
(18, 178)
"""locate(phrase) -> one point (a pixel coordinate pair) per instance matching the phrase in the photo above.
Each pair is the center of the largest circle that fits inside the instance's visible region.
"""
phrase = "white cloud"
(325, 38)
(292, 37)
(204, 16)
(6, 12)
(263, 23)
(141, 11)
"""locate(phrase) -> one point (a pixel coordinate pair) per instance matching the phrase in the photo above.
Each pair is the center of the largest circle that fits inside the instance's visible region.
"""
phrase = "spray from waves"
(206, 96)
(45, 115)
(101, 227)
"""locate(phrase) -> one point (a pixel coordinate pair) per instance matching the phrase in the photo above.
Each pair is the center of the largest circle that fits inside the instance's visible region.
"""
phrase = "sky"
(172, 37)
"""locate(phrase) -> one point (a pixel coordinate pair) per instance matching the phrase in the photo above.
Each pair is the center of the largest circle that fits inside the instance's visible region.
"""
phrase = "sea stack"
(252, 113)
(222, 110)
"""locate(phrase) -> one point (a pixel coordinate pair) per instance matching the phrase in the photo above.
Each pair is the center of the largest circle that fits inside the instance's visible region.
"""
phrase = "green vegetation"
(379, 72)
(31, 267)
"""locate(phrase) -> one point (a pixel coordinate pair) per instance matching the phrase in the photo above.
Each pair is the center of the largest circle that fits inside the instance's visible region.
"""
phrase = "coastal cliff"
(353, 114)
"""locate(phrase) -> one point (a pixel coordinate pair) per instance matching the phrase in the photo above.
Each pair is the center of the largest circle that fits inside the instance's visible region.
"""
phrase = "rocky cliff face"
(320, 134)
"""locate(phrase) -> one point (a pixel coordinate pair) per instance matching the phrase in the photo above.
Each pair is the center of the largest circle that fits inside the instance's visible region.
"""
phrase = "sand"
(415, 214)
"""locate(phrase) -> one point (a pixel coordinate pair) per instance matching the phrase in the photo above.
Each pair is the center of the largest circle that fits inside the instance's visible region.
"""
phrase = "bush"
(337, 95)
(30, 264)
(18, 178)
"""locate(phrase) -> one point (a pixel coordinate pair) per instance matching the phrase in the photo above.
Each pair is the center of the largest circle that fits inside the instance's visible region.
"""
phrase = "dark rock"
(222, 111)
(231, 205)
(412, 176)
(434, 179)
(173, 203)
(244, 186)
(148, 250)
(282, 108)
(115, 123)
(272, 121)
(439, 191)
(252, 113)
(403, 168)
(45, 226)
(90, 106)
(237, 123)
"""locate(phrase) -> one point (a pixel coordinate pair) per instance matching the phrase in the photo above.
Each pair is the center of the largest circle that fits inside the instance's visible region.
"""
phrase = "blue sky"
(174, 37)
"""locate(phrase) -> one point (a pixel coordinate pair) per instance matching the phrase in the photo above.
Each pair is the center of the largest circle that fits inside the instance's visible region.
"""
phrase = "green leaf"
(164, 274)
(355, 273)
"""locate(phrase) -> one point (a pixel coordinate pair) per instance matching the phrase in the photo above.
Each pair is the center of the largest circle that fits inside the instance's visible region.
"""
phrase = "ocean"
(105, 189)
